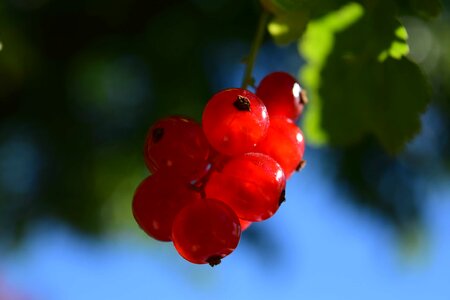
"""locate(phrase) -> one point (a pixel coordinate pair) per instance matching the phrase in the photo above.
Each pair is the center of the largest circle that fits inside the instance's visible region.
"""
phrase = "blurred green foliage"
(81, 81)
(387, 92)
(355, 60)
(368, 96)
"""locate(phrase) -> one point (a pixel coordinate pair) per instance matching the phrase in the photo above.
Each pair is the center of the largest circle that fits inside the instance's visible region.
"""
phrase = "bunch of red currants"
(209, 183)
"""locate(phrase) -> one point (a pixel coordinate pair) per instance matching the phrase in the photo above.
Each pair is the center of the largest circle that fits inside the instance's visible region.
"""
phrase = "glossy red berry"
(234, 121)
(284, 142)
(177, 145)
(218, 160)
(244, 224)
(282, 95)
(157, 201)
(206, 231)
(251, 184)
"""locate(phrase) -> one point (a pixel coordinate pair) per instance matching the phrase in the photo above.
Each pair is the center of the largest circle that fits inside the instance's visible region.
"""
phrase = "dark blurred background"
(81, 82)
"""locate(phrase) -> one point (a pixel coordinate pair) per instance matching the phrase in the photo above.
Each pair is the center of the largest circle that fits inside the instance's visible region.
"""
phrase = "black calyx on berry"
(282, 197)
(242, 103)
(214, 260)
(157, 134)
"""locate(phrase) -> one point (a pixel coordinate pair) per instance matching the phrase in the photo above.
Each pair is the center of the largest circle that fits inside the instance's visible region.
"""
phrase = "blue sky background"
(323, 250)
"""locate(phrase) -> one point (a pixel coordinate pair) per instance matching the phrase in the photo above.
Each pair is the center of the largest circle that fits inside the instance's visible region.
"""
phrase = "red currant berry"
(282, 95)
(244, 224)
(234, 121)
(157, 201)
(218, 160)
(206, 231)
(251, 184)
(284, 142)
(177, 145)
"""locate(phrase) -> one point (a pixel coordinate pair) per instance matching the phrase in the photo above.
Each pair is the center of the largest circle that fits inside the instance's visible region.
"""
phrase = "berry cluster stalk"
(256, 44)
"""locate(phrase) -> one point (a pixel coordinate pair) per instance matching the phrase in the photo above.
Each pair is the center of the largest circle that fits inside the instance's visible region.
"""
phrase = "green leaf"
(290, 17)
(403, 94)
(287, 28)
(359, 81)
(313, 7)
(316, 45)
(292, 5)
(422, 8)
(399, 47)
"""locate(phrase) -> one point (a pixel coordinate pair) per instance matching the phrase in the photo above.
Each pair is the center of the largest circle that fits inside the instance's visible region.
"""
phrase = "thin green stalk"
(256, 44)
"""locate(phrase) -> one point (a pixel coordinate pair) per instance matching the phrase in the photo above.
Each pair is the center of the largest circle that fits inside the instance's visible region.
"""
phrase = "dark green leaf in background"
(365, 86)
(315, 47)
(356, 67)
(422, 8)
(292, 16)
(286, 28)
(314, 8)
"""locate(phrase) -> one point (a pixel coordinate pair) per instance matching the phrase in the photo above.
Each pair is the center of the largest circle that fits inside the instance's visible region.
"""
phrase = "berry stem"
(256, 44)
